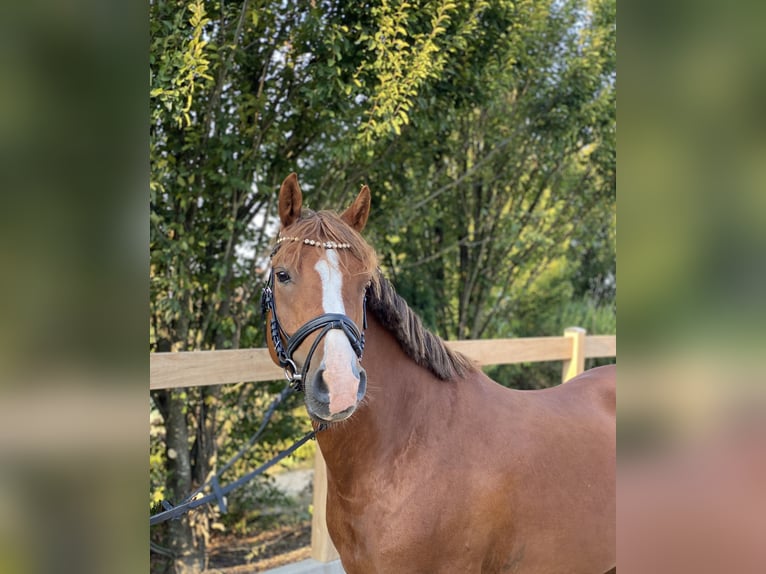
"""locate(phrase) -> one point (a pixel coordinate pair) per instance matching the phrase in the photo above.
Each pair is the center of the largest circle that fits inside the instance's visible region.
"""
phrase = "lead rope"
(219, 493)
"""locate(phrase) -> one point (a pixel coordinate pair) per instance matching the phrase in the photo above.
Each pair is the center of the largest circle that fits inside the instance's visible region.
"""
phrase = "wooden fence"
(192, 369)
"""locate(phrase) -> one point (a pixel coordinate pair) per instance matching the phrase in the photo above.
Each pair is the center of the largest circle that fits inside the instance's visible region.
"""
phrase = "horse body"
(432, 467)
(467, 476)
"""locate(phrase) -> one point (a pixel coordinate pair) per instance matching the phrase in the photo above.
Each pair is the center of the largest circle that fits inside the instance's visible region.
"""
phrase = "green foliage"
(181, 64)
(405, 59)
(510, 178)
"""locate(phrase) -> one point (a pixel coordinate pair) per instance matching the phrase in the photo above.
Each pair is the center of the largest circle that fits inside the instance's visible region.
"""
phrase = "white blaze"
(339, 357)
(332, 283)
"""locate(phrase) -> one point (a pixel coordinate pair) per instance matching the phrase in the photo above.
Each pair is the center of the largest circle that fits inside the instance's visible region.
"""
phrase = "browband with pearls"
(316, 242)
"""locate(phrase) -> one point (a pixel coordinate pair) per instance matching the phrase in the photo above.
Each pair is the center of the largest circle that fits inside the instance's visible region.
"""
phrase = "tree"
(519, 167)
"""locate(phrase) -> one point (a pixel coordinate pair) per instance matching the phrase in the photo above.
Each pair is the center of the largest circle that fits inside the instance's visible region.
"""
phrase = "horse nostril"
(321, 391)
(362, 384)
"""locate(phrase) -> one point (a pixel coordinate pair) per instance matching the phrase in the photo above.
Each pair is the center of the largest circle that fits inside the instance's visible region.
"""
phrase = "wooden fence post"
(322, 548)
(576, 365)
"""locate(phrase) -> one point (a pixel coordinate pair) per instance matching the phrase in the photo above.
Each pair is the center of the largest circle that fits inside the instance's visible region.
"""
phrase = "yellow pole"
(576, 365)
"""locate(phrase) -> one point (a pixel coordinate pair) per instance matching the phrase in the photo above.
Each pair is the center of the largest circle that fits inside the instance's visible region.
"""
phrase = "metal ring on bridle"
(291, 371)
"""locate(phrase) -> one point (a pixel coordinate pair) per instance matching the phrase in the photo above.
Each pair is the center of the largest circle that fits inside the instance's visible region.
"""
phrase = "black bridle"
(324, 324)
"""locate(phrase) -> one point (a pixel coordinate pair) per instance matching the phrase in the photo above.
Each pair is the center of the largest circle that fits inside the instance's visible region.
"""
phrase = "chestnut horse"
(431, 466)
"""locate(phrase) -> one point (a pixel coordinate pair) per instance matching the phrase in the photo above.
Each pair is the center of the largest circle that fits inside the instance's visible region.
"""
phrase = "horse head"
(315, 301)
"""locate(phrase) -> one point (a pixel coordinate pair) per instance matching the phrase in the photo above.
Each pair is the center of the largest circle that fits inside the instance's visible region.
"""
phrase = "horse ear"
(356, 215)
(290, 200)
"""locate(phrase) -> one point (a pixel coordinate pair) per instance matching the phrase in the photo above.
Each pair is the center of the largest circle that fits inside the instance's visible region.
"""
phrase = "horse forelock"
(327, 226)
(425, 348)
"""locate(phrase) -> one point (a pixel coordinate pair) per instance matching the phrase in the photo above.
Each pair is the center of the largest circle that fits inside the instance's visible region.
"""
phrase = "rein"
(285, 345)
(219, 492)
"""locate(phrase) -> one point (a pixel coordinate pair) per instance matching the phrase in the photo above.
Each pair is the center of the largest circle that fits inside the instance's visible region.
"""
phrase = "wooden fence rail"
(198, 368)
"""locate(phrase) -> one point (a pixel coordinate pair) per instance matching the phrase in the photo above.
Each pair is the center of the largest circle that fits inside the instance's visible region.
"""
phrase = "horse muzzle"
(333, 395)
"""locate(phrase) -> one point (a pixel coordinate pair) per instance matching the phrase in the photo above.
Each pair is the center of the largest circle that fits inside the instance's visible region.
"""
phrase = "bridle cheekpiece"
(285, 345)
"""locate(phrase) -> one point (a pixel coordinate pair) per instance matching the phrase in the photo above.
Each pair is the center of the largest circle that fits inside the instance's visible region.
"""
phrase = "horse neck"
(401, 399)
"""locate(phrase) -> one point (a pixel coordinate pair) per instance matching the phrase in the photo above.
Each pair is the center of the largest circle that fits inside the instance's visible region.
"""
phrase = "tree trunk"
(204, 460)
(189, 558)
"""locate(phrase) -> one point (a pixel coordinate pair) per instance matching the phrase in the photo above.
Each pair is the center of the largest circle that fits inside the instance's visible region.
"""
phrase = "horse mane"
(422, 346)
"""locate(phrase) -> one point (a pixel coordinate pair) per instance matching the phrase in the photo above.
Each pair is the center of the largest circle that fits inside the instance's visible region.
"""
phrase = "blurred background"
(486, 133)
(73, 286)
(692, 274)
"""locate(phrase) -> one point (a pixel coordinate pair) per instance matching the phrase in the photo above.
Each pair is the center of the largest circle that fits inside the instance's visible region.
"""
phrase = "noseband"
(324, 324)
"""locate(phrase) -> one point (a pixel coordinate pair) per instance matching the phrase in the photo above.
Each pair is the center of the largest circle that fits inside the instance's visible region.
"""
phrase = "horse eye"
(283, 276)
